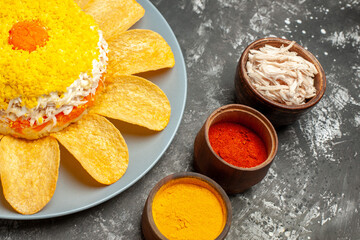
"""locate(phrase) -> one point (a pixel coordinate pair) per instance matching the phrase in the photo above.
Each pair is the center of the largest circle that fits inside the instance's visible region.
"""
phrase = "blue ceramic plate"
(76, 190)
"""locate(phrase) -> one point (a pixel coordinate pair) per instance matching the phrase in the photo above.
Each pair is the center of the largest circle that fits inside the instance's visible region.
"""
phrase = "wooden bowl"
(149, 228)
(279, 114)
(234, 179)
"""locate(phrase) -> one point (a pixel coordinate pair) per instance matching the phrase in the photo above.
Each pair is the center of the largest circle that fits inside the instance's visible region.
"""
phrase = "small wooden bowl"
(232, 178)
(279, 114)
(149, 228)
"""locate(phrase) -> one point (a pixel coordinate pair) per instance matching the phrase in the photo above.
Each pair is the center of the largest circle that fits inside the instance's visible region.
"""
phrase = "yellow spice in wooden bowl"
(188, 208)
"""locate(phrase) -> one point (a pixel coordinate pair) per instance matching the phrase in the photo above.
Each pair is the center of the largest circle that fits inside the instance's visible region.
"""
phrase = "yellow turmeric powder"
(188, 208)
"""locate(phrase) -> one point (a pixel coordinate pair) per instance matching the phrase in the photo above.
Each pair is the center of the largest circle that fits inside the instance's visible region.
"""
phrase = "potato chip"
(137, 51)
(1, 136)
(82, 3)
(29, 172)
(99, 147)
(134, 100)
(114, 16)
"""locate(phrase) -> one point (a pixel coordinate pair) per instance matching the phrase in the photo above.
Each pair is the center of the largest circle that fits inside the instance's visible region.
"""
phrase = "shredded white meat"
(281, 75)
(51, 105)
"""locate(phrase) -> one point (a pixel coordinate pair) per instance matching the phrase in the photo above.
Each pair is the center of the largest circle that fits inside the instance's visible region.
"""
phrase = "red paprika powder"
(237, 145)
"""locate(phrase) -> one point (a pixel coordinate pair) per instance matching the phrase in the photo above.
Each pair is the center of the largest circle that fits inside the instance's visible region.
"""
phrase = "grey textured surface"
(313, 187)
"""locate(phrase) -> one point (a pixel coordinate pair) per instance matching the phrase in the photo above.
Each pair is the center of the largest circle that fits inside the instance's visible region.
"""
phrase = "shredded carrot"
(28, 35)
(20, 124)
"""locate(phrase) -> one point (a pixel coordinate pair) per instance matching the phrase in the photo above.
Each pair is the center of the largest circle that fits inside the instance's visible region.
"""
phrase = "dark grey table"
(312, 190)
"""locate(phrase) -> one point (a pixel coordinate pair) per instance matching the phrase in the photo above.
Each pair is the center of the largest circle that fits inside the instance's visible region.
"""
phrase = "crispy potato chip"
(114, 16)
(1, 136)
(29, 172)
(82, 3)
(137, 51)
(134, 100)
(99, 147)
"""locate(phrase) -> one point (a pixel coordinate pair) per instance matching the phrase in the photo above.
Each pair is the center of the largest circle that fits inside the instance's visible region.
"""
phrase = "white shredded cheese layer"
(51, 105)
(281, 75)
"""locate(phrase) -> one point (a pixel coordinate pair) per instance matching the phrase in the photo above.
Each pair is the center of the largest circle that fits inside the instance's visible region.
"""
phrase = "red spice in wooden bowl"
(237, 144)
(234, 179)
